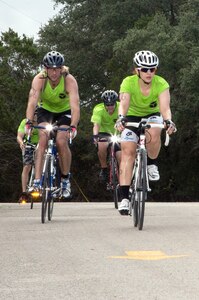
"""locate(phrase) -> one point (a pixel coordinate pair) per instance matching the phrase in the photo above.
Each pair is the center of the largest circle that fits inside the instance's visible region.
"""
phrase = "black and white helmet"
(53, 59)
(146, 59)
(109, 97)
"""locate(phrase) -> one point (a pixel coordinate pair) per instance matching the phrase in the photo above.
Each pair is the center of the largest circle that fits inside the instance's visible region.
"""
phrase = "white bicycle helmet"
(146, 59)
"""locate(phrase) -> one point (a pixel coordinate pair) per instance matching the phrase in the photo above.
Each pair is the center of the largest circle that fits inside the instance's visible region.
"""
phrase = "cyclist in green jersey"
(103, 118)
(55, 91)
(27, 154)
(143, 95)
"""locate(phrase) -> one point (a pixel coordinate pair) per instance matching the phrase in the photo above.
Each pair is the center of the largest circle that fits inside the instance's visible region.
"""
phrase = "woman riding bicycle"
(142, 95)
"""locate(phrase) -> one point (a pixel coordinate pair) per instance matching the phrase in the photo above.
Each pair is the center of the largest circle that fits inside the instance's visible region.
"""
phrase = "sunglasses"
(109, 105)
(145, 70)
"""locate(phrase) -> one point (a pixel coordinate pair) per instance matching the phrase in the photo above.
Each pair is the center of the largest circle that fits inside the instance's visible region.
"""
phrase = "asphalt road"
(89, 252)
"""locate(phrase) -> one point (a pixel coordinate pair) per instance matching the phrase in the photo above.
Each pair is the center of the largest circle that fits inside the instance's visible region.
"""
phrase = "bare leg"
(127, 159)
(39, 157)
(65, 155)
(153, 143)
(102, 154)
(24, 176)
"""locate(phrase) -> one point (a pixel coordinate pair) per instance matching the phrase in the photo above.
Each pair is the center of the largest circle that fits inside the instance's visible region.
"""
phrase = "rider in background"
(103, 118)
(27, 154)
(55, 91)
(142, 95)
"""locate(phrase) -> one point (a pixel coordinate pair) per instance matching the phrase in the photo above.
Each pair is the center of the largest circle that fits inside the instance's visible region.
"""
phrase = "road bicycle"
(113, 167)
(50, 179)
(139, 186)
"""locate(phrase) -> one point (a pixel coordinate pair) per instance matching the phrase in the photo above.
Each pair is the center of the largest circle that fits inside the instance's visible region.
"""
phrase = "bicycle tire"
(50, 207)
(52, 184)
(45, 190)
(141, 190)
(29, 185)
(133, 202)
(31, 202)
(135, 214)
(115, 180)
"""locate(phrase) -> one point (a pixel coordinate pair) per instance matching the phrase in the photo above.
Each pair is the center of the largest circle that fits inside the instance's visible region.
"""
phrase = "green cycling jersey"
(141, 105)
(56, 99)
(104, 119)
(34, 133)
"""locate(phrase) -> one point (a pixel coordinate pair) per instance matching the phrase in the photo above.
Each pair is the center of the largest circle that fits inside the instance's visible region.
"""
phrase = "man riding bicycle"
(142, 95)
(27, 154)
(55, 91)
(103, 118)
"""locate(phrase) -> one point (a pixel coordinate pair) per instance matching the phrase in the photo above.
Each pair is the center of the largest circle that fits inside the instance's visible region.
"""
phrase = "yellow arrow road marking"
(146, 255)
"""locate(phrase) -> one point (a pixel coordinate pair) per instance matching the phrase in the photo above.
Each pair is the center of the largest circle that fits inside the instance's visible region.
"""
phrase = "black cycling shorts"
(105, 135)
(63, 118)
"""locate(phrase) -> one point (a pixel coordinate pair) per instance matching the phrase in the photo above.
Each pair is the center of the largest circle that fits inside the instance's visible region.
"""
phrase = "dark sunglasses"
(109, 105)
(145, 70)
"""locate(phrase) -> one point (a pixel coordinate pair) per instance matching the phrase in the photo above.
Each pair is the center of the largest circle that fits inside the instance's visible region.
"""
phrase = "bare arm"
(34, 94)
(164, 103)
(123, 109)
(72, 89)
(20, 137)
(96, 128)
(124, 104)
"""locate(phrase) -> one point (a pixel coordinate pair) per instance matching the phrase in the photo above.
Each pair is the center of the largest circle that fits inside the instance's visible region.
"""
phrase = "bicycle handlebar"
(30, 145)
(51, 128)
(148, 126)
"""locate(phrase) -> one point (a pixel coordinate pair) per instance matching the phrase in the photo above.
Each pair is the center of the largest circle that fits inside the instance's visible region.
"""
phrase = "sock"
(124, 191)
(151, 161)
(36, 180)
(65, 176)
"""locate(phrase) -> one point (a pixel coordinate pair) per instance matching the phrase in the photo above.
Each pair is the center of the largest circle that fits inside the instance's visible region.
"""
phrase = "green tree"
(18, 60)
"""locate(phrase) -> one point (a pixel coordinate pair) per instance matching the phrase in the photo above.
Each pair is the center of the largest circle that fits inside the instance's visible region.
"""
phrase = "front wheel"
(133, 204)
(50, 207)
(115, 181)
(45, 190)
(141, 189)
